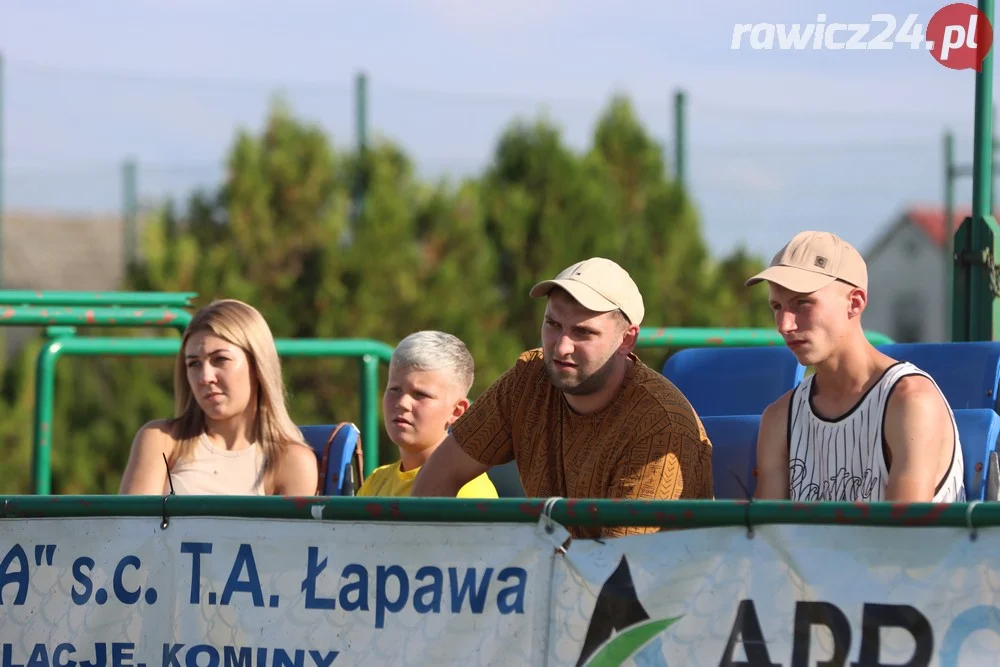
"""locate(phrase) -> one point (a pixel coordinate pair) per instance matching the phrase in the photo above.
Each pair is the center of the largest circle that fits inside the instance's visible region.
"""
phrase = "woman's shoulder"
(297, 470)
(158, 432)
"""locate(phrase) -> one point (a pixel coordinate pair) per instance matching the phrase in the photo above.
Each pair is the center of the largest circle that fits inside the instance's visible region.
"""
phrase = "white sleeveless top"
(844, 459)
(211, 471)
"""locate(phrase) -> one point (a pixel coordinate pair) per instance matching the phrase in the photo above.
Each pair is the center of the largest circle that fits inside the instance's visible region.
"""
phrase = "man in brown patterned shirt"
(583, 417)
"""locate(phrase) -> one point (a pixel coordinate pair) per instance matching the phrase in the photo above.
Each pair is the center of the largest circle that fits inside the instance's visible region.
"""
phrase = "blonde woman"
(232, 434)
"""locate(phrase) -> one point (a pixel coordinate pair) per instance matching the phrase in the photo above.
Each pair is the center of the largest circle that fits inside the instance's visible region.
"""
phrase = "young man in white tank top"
(863, 427)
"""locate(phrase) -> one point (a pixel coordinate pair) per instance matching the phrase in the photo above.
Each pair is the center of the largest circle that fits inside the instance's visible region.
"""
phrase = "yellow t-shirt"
(388, 480)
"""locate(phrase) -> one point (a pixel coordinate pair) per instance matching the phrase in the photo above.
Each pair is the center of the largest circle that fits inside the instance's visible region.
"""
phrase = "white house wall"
(908, 269)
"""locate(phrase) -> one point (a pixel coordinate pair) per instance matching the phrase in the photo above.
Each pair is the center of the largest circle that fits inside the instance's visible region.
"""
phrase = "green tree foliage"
(288, 233)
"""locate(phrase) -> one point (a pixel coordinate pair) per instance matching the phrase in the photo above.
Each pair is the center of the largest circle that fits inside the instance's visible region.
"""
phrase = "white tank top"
(212, 471)
(844, 459)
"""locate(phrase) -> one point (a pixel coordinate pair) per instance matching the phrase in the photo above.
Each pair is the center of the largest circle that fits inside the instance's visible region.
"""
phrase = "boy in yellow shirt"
(430, 375)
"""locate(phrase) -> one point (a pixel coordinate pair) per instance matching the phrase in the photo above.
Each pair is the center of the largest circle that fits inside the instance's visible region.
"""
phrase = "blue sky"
(779, 141)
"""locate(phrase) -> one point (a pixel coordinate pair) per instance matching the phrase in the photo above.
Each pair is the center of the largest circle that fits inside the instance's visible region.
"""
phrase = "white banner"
(790, 596)
(218, 592)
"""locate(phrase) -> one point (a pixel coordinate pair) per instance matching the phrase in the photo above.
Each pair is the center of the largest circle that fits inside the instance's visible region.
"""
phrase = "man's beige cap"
(600, 285)
(813, 260)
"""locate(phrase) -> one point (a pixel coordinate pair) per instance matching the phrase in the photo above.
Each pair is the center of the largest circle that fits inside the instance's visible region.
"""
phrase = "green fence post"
(369, 411)
(976, 312)
(679, 137)
(2, 244)
(361, 132)
(130, 211)
(45, 381)
(949, 230)
(361, 110)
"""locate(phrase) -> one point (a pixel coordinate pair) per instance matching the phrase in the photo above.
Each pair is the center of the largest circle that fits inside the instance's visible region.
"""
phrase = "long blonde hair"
(243, 326)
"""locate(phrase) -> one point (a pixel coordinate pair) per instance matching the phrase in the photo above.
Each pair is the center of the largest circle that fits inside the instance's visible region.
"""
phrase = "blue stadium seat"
(342, 472)
(967, 372)
(734, 380)
(734, 454)
(979, 430)
(507, 480)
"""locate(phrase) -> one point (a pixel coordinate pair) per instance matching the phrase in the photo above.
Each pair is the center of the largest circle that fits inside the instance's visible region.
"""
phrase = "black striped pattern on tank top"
(843, 459)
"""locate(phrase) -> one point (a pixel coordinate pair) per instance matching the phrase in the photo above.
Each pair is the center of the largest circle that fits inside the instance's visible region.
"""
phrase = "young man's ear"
(857, 299)
(460, 407)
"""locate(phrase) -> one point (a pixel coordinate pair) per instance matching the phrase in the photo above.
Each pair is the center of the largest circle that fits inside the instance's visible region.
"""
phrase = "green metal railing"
(722, 337)
(368, 352)
(95, 309)
(94, 316)
(73, 298)
(670, 514)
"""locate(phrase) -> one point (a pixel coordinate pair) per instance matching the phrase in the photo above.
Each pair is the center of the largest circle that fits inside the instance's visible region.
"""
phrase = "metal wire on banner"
(547, 513)
(165, 520)
(746, 510)
(550, 525)
(973, 531)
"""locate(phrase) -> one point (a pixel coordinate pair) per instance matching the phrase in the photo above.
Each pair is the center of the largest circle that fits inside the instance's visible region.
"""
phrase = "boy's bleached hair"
(437, 351)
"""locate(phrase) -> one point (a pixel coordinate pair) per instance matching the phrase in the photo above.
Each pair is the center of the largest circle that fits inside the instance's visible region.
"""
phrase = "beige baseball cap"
(600, 285)
(813, 260)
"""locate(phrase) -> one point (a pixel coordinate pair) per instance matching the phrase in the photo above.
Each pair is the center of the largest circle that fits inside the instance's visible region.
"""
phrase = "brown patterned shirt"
(646, 444)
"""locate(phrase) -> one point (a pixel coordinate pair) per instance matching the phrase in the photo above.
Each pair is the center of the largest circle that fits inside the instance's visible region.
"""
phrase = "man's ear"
(857, 299)
(630, 336)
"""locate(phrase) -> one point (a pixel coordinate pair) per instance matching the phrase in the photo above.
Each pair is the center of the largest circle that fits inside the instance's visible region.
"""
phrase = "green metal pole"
(721, 337)
(675, 514)
(375, 351)
(976, 315)
(993, 154)
(361, 133)
(679, 138)
(361, 110)
(369, 411)
(949, 230)
(2, 244)
(95, 316)
(130, 211)
(75, 298)
(45, 381)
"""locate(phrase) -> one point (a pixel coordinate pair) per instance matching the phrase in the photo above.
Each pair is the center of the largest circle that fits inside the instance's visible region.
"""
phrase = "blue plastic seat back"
(967, 372)
(978, 430)
(339, 477)
(734, 454)
(507, 480)
(735, 380)
(734, 451)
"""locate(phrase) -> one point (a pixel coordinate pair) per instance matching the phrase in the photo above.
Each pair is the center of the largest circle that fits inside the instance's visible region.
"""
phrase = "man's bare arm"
(919, 436)
(772, 452)
(447, 470)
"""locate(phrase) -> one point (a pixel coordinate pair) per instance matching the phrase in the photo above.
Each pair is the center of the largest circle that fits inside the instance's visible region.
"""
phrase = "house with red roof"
(907, 279)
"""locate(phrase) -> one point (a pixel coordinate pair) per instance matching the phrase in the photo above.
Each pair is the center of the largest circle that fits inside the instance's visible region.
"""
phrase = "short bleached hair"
(436, 351)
